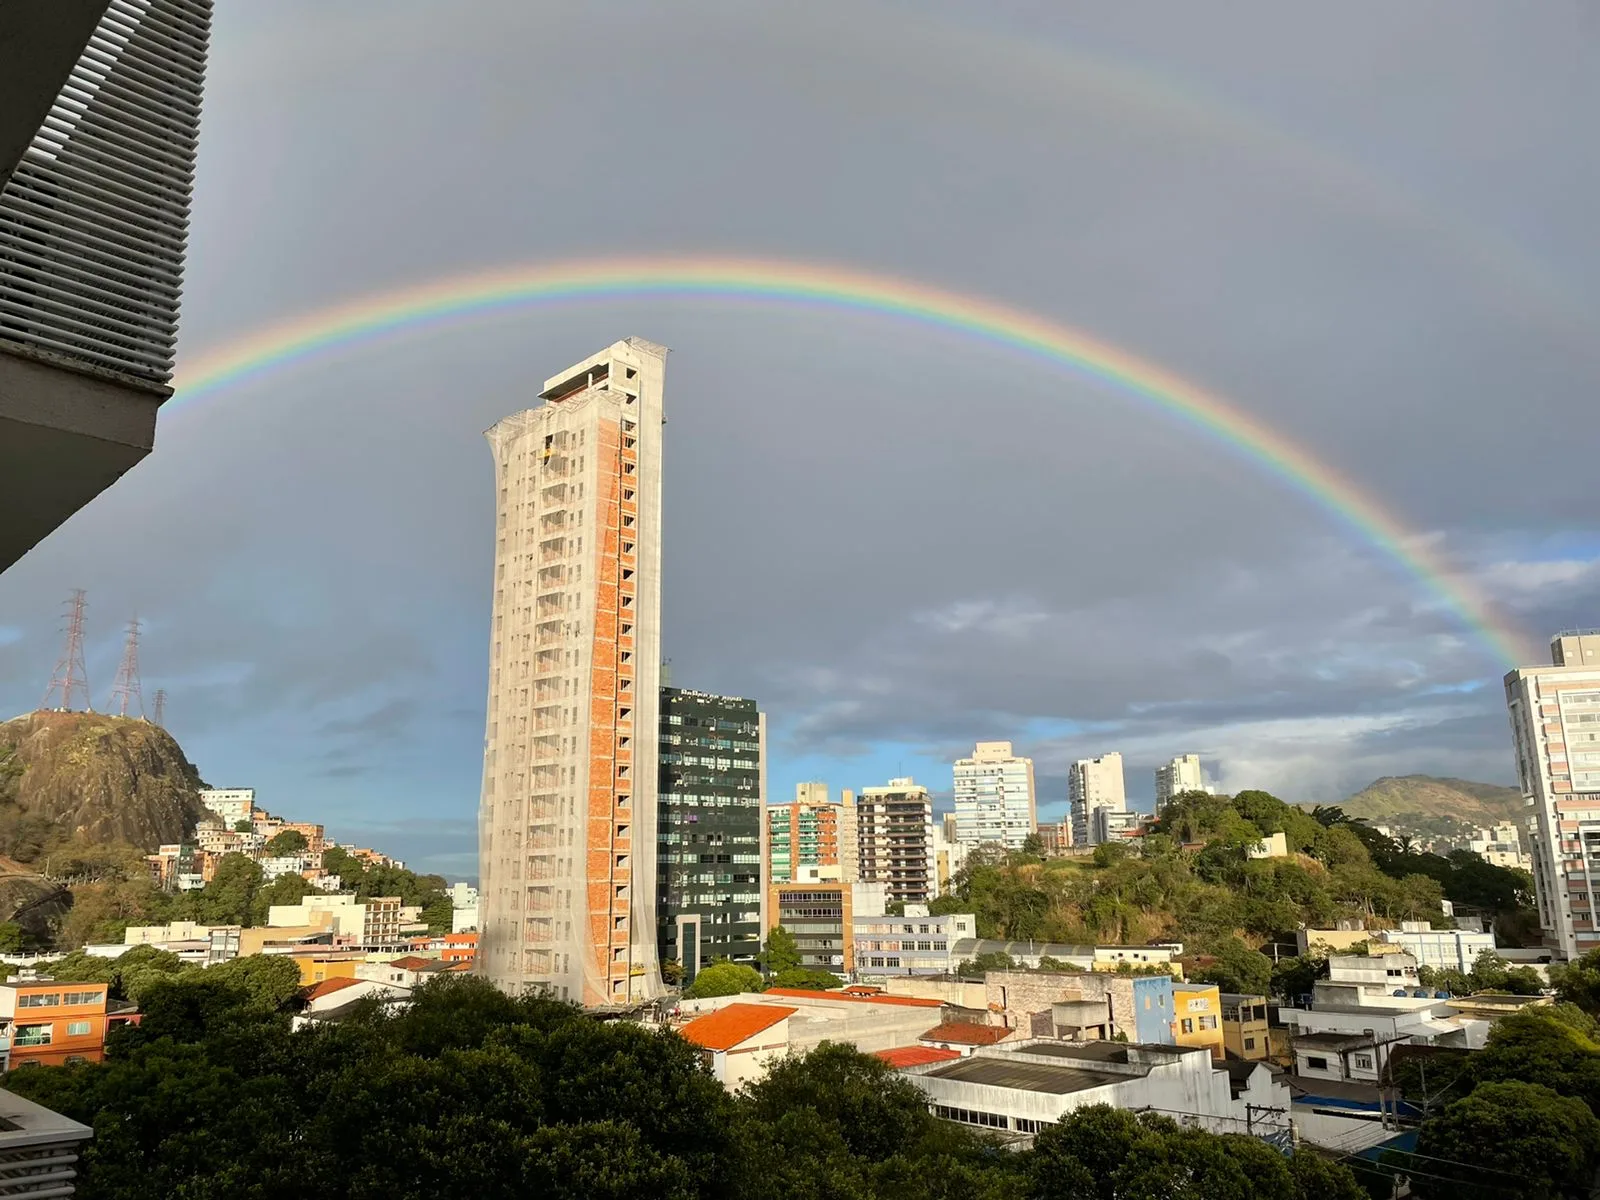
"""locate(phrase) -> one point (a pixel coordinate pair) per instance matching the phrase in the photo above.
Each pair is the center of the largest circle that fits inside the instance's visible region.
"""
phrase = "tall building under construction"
(567, 819)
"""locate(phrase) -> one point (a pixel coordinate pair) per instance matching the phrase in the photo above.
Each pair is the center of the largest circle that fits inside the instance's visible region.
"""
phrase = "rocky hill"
(93, 778)
(1429, 804)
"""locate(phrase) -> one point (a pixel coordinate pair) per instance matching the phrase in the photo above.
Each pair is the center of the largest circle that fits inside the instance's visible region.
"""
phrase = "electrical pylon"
(127, 690)
(70, 675)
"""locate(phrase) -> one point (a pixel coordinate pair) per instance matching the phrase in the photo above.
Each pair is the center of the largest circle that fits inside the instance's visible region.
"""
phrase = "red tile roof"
(727, 1027)
(915, 1056)
(967, 1034)
(412, 962)
(327, 987)
(903, 1001)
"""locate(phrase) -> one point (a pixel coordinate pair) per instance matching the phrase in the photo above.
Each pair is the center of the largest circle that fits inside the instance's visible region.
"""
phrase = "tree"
(1544, 1047)
(1033, 846)
(269, 980)
(809, 978)
(1579, 982)
(228, 898)
(895, 908)
(11, 938)
(990, 960)
(1295, 977)
(1507, 1138)
(289, 888)
(243, 827)
(1108, 854)
(1238, 968)
(286, 844)
(781, 952)
(671, 972)
(723, 979)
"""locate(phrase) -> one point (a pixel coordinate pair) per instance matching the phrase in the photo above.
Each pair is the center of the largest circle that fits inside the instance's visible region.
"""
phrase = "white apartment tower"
(567, 821)
(1555, 730)
(1182, 774)
(1094, 783)
(994, 797)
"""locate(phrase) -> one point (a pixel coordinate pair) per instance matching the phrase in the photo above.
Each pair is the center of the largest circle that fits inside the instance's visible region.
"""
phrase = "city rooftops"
(915, 1056)
(728, 1026)
(1009, 1071)
(966, 1034)
(841, 997)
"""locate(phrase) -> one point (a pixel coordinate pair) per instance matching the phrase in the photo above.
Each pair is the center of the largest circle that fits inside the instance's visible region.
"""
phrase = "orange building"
(460, 948)
(50, 1022)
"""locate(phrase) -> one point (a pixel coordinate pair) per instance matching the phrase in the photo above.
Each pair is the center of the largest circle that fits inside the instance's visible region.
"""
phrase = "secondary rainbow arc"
(348, 325)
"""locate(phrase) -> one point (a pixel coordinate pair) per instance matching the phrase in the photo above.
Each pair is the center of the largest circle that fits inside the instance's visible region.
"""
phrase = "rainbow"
(460, 298)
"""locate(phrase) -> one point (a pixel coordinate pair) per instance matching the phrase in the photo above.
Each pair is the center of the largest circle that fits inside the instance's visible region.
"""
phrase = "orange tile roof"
(327, 987)
(903, 1001)
(412, 962)
(967, 1034)
(915, 1056)
(727, 1027)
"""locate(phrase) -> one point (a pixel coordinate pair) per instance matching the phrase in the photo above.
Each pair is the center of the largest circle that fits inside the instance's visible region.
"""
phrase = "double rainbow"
(466, 297)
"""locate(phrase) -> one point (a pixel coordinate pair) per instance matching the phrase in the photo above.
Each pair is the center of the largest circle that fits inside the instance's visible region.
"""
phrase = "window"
(33, 1035)
(1188, 1025)
(1249, 1043)
(82, 998)
(1363, 1062)
(1208, 1022)
(77, 1029)
(39, 1000)
(1316, 1062)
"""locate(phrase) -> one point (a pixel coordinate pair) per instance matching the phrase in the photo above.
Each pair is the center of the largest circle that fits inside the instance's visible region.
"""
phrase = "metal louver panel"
(94, 221)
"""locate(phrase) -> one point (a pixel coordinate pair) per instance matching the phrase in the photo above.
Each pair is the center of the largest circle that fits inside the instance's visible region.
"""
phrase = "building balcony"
(99, 117)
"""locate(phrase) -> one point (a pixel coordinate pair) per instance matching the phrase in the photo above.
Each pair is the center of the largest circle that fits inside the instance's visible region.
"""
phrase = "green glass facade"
(708, 831)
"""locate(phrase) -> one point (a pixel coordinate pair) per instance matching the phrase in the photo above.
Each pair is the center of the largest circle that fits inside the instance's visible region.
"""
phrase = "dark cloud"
(890, 535)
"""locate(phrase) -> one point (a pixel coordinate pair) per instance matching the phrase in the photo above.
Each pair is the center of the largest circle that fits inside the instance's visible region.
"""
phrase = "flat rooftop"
(24, 1123)
(1009, 1072)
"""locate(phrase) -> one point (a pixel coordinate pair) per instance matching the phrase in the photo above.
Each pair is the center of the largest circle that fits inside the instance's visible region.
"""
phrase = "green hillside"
(1431, 804)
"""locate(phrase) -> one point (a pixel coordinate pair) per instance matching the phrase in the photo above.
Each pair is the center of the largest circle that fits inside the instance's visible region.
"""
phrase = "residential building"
(911, 944)
(1024, 1085)
(812, 831)
(739, 1040)
(1501, 846)
(1449, 949)
(231, 805)
(51, 1022)
(864, 1018)
(1182, 774)
(463, 908)
(949, 854)
(821, 916)
(894, 829)
(40, 1149)
(567, 820)
(1274, 845)
(1197, 1017)
(1244, 1026)
(1370, 981)
(1114, 958)
(1094, 783)
(709, 829)
(1555, 729)
(1055, 838)
(98, 132)
(1110, 825)
(994, 794)
(182, 867)
(1081, 1005)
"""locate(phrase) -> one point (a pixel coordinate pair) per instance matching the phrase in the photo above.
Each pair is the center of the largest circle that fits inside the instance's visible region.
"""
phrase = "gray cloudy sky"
(1369, 225)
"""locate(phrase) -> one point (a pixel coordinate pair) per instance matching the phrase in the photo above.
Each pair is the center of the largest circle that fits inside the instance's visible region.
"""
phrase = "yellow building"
(1197, 1016)
(1244, 1026)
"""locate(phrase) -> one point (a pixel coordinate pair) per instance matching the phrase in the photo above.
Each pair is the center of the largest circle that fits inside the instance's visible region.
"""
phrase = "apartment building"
(1197, 1017)
(813, 832)
(53, 1022)
(949, 854)
(913, 943)
(994, 795)
(1094, 783)
(1555, 732)
(1055, 838)
(894, 826)
(709, 829)
(1182, 774)
(567, 819)
(231, 805)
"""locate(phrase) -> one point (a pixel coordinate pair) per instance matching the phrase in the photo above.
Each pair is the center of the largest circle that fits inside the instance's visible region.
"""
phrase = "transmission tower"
(127, 688)
(161, 707)
(70, 675)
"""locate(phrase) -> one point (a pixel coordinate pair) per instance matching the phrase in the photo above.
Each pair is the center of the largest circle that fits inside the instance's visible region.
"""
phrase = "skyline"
(1030, 558)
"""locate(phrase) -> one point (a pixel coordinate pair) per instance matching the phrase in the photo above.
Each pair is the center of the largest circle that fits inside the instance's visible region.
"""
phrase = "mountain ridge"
(1434, 803)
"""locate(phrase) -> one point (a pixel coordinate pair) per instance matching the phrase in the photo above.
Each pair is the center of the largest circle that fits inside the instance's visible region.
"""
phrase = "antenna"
(127, 686)
(70, 674)
(161, 707)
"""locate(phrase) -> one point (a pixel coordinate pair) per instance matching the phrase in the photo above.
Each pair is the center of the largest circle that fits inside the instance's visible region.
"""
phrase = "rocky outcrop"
(98, 778)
